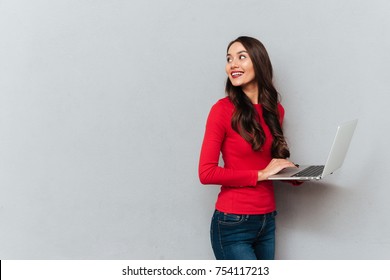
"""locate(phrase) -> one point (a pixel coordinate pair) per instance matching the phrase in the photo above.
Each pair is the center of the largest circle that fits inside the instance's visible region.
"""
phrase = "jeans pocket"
(230, 219)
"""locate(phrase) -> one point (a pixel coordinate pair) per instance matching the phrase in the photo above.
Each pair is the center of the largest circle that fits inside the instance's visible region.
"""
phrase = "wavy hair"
(245, 117)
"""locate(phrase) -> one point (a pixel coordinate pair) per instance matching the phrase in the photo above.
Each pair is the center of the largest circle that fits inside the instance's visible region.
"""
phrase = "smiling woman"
(239, 68)
(246, 127)
(254, 86)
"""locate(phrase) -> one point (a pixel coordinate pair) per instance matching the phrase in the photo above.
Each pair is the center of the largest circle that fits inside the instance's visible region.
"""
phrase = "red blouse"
(240, 193)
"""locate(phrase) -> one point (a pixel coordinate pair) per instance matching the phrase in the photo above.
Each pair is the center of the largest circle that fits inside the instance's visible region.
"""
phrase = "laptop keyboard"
(311, 171)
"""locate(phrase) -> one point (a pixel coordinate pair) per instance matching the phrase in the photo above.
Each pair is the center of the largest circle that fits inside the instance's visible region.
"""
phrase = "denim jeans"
(243, 237)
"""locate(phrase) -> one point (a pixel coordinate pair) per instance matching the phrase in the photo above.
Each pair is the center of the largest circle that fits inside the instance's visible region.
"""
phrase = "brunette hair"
(245, 117)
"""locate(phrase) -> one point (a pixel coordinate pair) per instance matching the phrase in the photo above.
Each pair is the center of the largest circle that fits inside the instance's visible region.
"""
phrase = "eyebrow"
(240, 52)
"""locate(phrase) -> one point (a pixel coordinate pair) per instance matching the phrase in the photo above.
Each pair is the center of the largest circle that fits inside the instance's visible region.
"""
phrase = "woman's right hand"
(275, 166)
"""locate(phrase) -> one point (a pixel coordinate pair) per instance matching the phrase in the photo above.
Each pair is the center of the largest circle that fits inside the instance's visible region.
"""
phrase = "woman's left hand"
(295, 182)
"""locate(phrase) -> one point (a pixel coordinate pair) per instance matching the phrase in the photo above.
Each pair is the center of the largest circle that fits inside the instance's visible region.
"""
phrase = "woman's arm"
(209, 171)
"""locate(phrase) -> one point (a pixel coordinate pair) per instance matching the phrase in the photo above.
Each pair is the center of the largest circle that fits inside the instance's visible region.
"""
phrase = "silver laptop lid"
(339, 147)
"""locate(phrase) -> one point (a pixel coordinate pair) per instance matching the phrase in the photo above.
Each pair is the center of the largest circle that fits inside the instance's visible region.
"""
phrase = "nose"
(233, 64)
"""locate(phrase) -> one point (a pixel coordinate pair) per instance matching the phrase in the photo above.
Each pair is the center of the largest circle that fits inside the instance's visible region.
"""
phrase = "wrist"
(261, 175)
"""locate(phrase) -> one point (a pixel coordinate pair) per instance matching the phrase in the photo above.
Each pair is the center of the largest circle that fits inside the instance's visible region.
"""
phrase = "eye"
(242, 56)
(228, 59)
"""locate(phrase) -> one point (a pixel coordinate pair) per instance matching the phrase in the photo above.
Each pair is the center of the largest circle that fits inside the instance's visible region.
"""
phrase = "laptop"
(335, 158)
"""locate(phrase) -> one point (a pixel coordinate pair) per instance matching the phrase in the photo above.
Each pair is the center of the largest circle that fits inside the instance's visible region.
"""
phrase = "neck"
(252, 93)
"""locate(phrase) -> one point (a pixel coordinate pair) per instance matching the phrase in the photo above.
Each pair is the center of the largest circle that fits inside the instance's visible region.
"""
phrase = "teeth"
(236, 74)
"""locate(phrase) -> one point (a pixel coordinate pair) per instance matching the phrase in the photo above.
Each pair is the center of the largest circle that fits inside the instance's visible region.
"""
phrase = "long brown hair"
(245, 117)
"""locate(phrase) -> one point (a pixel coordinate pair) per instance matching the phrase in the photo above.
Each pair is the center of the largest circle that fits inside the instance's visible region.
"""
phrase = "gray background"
(102, 113)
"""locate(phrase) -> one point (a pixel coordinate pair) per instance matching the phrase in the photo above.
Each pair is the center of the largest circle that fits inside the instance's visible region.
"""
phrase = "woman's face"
(239, 67)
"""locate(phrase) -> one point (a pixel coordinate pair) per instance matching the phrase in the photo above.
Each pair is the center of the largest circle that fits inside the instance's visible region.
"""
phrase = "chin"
(235, 84)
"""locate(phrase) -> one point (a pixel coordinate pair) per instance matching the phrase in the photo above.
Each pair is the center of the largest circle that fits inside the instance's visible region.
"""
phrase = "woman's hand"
(294, 182)
(275, 165)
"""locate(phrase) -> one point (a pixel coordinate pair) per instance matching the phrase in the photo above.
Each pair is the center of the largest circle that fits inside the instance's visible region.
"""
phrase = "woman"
(246, 128)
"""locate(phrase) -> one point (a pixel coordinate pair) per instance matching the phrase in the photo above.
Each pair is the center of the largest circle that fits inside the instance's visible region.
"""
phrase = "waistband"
(253, 216)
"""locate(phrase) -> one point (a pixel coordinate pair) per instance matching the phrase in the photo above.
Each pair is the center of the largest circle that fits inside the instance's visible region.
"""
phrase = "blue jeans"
(243, 237)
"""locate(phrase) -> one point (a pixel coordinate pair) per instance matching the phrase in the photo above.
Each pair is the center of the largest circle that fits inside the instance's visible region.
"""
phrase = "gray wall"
(102, 113)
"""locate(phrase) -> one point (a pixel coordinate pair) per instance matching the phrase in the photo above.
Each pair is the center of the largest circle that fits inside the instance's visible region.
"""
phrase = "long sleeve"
(210, 172)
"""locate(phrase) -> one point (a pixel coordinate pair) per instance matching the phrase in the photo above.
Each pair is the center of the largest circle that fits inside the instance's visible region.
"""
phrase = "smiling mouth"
(236, 74)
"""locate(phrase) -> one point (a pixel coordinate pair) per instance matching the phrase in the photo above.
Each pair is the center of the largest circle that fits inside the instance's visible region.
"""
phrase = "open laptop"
(335, 158)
